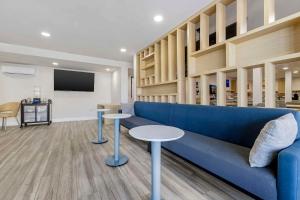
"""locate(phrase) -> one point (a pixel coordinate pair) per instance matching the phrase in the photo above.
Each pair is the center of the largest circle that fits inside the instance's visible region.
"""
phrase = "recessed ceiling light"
(45, 34)
(123, 50)
(158, 18)
(55, 63)
(285, 68)
(296, 72)
(108, 69)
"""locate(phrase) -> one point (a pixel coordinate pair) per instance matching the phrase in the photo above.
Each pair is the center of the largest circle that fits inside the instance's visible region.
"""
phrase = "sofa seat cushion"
(227, 160)
(135, 121)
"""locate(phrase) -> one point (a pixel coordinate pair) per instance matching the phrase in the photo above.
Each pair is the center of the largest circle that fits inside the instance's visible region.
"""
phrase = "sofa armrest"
(288, 173)
(127, 108)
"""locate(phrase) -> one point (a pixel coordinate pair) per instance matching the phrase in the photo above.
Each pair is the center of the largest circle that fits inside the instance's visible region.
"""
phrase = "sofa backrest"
(232, 124)
(159, 112)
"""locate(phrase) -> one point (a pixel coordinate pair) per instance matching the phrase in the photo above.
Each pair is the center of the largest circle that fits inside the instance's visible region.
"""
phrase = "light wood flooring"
(58, 162)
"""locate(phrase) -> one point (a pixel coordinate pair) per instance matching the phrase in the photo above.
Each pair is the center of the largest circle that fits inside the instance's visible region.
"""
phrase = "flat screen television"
(73, 81)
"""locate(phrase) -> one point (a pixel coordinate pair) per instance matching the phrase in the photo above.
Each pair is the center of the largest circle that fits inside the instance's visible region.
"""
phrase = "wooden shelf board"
(213, 71)
(208, 50)
(286, 58)
(150, 65)
(158, 84)
(148, 56)
(276, 60)
(277, 25)
(156, 94)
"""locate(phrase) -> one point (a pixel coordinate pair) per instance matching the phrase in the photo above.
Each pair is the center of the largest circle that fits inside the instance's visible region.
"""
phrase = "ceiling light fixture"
(296, 72)
(107, 69)
(285, 68)
(45, 34)
(123, 50)
(158, 18)
(55, 63)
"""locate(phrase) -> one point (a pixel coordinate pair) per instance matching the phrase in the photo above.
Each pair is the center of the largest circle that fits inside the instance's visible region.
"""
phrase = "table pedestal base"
(155, 165)
(110, 161)
(148, 196)
(96, 141)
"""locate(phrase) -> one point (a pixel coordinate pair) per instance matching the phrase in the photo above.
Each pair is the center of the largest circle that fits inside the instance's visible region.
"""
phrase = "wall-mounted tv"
(73, 81)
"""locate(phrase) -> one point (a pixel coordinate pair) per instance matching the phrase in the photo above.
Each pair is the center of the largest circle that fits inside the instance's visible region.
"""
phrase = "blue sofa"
(219, 140)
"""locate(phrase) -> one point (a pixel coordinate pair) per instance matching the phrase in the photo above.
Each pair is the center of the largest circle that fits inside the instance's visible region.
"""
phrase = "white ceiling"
(96, 28)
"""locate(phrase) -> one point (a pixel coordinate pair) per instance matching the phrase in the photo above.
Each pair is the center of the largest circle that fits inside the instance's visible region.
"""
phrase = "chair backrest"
(11, 107)
(232, 124)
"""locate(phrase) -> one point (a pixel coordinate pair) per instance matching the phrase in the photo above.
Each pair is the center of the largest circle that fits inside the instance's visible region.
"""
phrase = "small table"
(117, 159)
(156, 134)
(100, 139)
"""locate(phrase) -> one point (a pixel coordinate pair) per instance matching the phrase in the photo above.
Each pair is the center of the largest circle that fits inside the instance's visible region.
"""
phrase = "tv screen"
(73, 81)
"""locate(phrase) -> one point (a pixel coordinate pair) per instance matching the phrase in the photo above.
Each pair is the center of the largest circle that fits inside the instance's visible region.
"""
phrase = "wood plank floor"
(58, 162)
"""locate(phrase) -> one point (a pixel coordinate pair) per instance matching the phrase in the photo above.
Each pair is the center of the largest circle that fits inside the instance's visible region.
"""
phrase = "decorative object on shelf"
(37, 92)
(36, 112)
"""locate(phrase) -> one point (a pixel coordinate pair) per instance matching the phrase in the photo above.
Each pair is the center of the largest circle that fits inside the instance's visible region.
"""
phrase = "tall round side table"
(156, 134)
(117, 159)
(100, 139)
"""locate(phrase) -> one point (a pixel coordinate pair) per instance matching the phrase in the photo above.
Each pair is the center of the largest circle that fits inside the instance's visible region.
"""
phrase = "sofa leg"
(149, 147)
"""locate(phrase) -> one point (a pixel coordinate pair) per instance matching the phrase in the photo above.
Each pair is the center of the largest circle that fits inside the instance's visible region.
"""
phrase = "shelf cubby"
(169, 68)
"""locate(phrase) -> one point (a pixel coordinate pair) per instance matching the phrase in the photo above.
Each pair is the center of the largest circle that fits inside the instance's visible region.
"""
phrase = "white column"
(192, 90)
(241, 16)
(242, 87)
(288, 86)
(269, 11)
(221, 88)
(134, 81)
(205, 98)
(270, 98)
(257, 86)
(124, 84)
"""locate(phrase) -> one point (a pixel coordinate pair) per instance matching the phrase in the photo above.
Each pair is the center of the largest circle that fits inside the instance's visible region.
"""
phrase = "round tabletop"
(103, 109)
(156, 133)
(116, 116)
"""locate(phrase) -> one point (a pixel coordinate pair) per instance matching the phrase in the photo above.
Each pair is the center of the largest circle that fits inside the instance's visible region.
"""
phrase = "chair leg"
(5, 123)
(18, 121)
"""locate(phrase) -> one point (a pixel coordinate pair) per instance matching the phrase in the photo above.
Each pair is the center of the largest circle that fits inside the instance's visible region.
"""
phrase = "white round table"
(156, 134)
(117, 159)
(100, 139)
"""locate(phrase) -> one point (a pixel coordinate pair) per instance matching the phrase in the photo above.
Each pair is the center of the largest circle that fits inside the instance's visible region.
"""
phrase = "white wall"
(120, 81)
(116, 87)
(66, 105)
(296, 84)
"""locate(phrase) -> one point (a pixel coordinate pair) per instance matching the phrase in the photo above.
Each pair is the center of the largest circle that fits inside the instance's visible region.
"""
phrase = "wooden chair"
(9, 110)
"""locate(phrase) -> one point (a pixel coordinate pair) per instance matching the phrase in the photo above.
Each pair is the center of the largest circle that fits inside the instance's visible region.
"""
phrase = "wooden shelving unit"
(147, 57)
(176, 62)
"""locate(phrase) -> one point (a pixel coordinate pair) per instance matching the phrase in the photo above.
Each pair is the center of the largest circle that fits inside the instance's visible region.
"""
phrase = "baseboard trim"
(13, 122)
(74, 119)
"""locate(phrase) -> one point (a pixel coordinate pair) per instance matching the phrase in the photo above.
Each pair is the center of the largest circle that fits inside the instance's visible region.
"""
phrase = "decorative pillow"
(127, 108)
(275, 136)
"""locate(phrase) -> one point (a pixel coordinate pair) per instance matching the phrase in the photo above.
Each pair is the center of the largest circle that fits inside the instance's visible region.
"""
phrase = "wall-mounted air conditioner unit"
(17, 69)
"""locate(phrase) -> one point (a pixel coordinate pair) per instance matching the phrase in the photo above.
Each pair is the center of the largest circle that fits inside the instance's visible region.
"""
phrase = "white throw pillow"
(275, 136)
